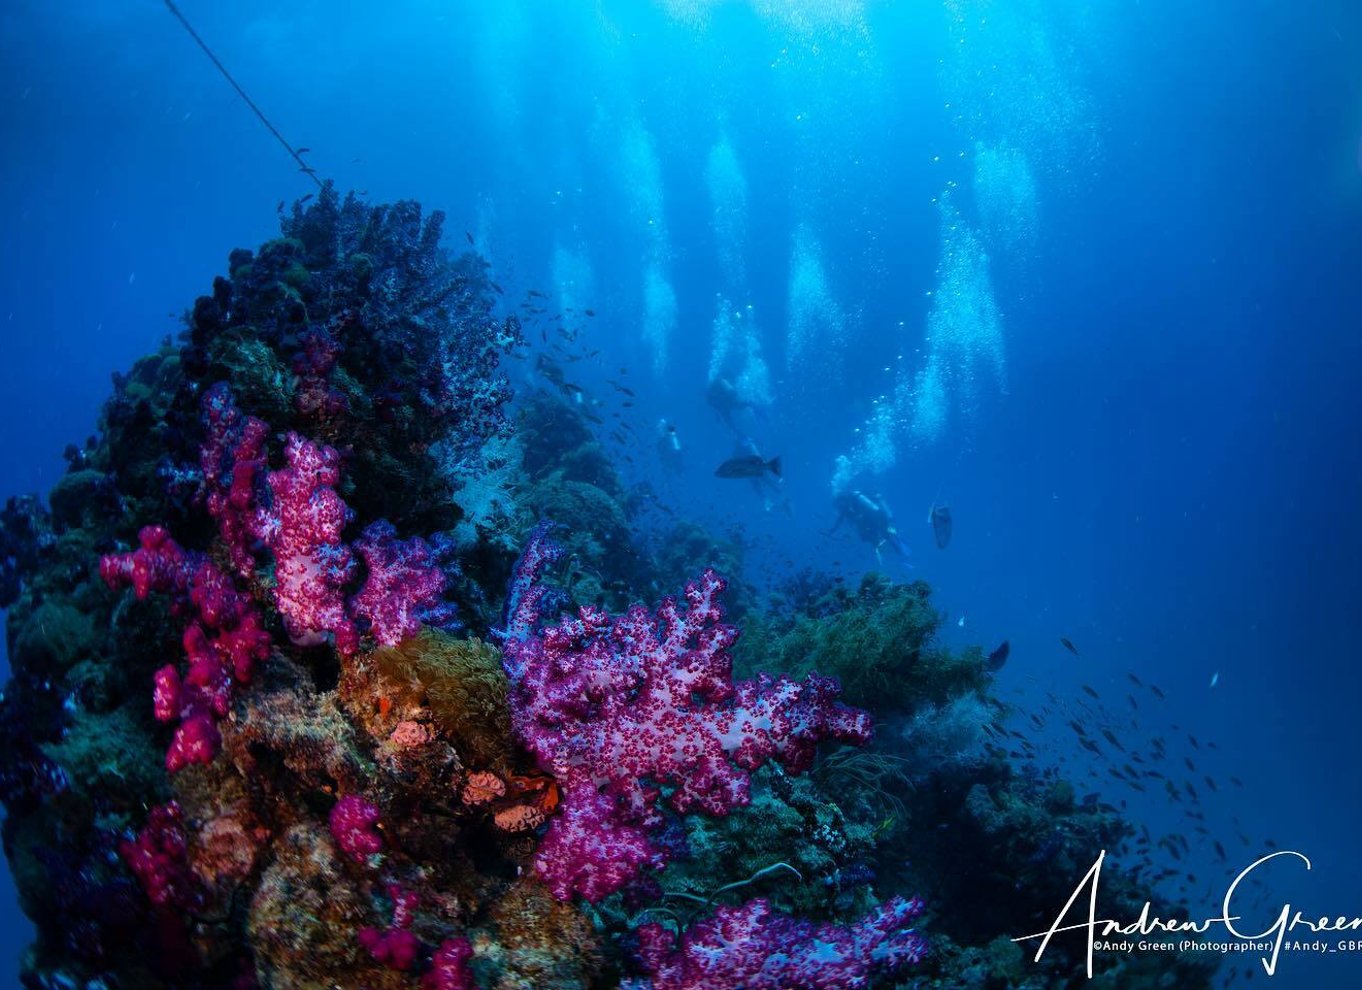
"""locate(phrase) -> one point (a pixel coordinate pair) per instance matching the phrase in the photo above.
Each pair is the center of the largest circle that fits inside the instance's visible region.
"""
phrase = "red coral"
(232, 459)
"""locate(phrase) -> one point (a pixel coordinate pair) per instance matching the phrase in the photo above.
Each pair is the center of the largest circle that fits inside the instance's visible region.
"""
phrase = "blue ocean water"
(1087, 272)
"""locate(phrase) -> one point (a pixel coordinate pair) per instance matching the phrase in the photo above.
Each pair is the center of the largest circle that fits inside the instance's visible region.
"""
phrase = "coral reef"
(290, 707)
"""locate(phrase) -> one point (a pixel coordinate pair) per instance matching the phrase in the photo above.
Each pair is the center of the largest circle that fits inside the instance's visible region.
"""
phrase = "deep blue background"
(1169, 470)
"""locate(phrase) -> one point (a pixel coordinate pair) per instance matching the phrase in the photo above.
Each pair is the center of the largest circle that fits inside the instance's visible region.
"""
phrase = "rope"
(294, 154)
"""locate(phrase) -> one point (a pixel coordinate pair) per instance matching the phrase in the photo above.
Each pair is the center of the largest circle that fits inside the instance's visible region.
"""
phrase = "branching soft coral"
(296, 514)
(222, 642)
(754, 948)
(616, 708)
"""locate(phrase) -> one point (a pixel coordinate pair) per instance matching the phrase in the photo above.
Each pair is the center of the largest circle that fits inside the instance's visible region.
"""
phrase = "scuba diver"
(870, 517)
(669, 449)
(724, 398)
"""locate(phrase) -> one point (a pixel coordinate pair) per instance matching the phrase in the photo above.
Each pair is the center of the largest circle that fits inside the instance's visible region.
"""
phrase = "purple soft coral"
(296, 513)
(754, 948)
(404, 587)
(616, 708)
(302, 527)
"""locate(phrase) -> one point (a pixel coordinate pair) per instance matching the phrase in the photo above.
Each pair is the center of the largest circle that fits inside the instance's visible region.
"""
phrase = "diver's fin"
(774, 465)
(935, 498)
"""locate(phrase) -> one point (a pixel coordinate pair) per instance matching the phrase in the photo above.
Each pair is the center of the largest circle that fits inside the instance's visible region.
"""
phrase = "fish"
(1068, 645)
(1157, 693)
(1090, 691)
(939, 518)
(303, 151)
(589, 312)
(469, 236)
(748, 466)
(998, 657)
(1135, 680)
(1215, 678)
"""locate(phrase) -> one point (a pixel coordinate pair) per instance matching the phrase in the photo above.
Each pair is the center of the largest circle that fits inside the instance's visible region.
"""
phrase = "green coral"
(54, 636)
(878, 643)
(462, 684)
(790, 821)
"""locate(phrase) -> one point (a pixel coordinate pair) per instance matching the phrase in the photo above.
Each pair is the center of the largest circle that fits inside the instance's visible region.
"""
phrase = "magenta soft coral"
(449, 967)
(232, 457)
(615, 708)
(395, 946)
(159, 858)
(752, 947)
(354, 825)
(222, 642)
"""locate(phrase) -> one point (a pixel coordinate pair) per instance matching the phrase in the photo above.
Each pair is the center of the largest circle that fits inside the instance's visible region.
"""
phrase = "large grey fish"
(748, 466)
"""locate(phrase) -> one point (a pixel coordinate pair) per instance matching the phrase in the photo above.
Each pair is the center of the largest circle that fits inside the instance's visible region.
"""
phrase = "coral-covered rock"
(541, 941)
(457, 685)
(303, 924)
